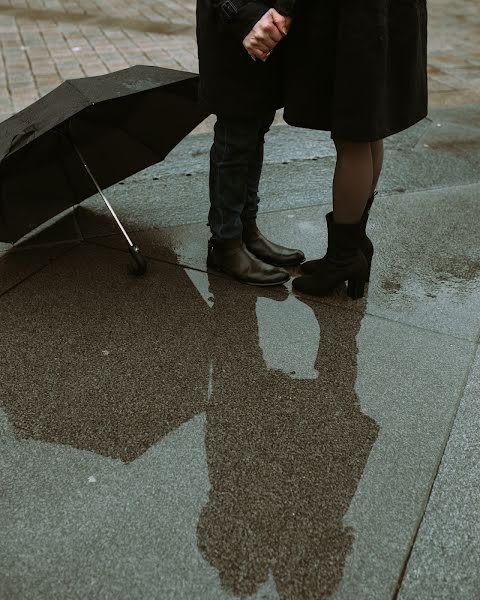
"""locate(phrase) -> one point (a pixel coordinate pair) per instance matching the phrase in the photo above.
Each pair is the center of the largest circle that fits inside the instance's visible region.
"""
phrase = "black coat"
(357, 68)
(231, 83)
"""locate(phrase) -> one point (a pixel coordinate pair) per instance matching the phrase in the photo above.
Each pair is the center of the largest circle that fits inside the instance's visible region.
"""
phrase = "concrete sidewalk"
(183, 437)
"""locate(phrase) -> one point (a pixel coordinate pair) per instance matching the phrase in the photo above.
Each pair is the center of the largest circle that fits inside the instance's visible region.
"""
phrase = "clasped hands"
(266, 35)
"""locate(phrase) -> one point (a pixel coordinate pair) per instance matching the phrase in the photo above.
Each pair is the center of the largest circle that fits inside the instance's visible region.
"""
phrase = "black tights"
(358, 169)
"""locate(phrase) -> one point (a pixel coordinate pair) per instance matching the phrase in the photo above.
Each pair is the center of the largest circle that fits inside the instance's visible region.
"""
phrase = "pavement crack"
(461, 395)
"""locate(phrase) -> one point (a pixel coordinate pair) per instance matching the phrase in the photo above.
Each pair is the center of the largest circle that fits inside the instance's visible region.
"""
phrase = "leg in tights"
(377, 160)
(352, 185)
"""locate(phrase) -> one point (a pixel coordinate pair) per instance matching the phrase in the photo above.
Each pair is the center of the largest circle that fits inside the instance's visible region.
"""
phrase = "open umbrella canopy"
(117, 124)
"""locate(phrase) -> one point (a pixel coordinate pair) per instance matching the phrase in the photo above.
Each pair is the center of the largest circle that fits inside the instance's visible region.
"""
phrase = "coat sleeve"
(285, 7)
(239, 17)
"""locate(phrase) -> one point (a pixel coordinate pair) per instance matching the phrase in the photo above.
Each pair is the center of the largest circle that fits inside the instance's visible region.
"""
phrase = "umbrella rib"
(79, 92)
(145, 145)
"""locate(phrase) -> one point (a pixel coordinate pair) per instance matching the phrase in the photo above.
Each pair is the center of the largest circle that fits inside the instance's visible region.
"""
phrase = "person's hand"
(266, 34)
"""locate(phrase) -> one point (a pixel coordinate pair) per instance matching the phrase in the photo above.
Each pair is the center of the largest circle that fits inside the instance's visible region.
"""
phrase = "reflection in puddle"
(284, 455)
(289, 336)
(58, 384)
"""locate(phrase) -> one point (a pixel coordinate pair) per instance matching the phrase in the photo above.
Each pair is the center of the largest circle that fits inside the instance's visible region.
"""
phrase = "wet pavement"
(182, 436)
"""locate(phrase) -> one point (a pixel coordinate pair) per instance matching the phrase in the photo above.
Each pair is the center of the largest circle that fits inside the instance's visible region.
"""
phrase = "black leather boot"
(366, 245)
(344, 261)
(232, 258)
(267, 251)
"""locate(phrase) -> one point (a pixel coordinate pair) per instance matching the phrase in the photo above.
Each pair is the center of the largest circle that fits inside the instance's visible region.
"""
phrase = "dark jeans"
(236, 161)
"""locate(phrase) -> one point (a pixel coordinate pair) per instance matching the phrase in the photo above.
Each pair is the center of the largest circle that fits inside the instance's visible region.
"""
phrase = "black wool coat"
(357, 68)
(231, 83)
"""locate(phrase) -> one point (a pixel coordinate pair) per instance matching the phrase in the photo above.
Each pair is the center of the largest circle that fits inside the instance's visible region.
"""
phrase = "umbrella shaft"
(100, 191)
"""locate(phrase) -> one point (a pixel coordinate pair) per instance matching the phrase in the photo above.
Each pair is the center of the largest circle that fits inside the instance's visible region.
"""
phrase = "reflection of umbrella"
(112, 390)
(87, 135)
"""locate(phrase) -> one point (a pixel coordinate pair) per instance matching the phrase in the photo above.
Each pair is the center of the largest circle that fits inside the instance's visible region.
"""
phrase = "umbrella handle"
(139, 266)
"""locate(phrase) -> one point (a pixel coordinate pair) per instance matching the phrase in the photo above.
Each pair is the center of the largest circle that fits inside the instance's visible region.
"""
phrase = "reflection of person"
(356, 68)
(284, 456)
(244, 94)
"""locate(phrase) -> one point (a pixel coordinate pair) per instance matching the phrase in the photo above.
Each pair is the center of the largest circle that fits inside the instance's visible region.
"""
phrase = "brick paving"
(43, 42)
(454, 52)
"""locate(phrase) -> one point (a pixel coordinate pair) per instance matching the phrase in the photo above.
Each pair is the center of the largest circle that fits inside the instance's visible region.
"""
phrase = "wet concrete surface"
(18, 266)
(183, 436)
(442, 151)
(425, 157)
(426, 269)
(305, 460)
(445, 563)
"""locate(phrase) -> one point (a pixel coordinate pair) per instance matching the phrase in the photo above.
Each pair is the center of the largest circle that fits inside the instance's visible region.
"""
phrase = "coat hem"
(345, 135)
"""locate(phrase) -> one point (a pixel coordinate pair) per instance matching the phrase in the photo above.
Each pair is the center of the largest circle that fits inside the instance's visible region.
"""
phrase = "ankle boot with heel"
(344, 262)
(366, 246)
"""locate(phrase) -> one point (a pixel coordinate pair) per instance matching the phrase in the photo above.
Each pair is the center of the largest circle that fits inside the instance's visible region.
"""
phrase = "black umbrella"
(86, 135)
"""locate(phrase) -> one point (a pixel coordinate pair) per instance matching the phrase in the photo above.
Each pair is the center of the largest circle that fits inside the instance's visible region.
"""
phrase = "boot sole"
(313, 271)
(355, 290)
(250, 283)
(310, 273)
(292, 263)
(282, 265)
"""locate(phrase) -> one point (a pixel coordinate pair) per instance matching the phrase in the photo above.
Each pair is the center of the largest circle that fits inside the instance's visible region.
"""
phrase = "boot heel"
(356, 289)
(212, 265)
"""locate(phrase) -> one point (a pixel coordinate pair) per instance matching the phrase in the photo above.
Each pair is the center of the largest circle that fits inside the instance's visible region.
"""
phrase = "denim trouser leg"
(255, 171)
(236, 161)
